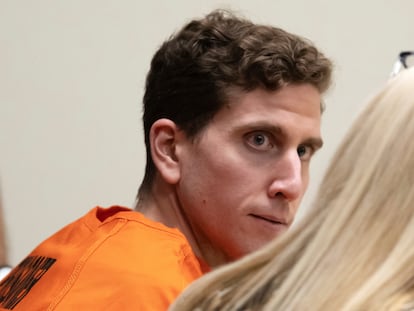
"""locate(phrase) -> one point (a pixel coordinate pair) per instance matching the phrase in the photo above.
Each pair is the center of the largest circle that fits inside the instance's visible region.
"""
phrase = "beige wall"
(71, 81)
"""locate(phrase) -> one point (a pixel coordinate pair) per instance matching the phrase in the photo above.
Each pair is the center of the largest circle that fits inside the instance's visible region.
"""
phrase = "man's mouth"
(270, 219)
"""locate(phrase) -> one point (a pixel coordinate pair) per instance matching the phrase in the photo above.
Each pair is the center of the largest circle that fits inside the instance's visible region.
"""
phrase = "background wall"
(71, 82)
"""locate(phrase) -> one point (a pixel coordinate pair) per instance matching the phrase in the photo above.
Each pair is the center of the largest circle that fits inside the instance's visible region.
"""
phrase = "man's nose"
(287, 180)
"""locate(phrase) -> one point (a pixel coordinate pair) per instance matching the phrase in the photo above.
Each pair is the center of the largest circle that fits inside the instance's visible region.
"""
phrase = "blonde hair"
(355, 250)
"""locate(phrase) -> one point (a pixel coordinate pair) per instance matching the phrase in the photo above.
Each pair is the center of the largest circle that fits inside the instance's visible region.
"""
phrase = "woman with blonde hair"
(355, 250)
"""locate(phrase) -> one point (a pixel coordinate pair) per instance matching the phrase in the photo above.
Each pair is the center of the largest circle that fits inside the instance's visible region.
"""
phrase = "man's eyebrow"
(317, 143)
(261, 126)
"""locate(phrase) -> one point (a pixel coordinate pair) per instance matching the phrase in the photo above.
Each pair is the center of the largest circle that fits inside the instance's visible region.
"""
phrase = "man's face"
(243, 178)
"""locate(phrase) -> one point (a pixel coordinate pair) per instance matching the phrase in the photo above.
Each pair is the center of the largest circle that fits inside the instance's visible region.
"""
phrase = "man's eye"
(259, 140)
(305, 152)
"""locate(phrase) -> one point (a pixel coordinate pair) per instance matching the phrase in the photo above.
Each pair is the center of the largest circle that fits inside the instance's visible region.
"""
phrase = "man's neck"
(163, 205)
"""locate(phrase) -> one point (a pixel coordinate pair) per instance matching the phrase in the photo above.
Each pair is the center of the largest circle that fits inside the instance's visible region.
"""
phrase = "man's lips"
(271, 218)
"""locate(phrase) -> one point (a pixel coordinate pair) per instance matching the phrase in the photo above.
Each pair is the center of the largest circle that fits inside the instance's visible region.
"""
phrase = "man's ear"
(163, 138)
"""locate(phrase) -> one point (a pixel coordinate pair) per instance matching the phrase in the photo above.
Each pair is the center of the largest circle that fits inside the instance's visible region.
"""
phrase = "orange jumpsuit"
(110, 259)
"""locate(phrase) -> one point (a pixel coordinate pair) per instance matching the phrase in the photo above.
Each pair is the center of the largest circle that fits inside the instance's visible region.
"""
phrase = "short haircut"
(193, 72)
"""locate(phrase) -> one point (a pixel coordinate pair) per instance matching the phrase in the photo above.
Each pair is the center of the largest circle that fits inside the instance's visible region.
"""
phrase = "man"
(231, 118)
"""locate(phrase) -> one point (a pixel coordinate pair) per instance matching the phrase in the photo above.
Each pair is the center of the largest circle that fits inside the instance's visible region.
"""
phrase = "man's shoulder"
(147, 244)
(123, 255)
(132, 228)
(117, 237)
